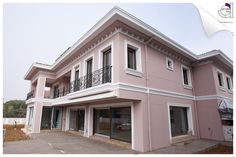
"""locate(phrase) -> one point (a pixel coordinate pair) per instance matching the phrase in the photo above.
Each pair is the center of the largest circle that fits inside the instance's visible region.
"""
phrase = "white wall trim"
(189, 115)
(139, 68)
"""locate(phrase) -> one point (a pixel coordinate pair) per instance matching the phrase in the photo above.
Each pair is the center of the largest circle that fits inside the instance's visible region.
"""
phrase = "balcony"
(96, 78)
(30, 95)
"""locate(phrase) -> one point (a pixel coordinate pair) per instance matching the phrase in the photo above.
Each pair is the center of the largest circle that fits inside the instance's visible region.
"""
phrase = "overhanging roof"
(118, 14)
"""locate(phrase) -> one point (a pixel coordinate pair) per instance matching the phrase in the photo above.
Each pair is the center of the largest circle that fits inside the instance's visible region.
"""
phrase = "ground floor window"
(57, 118)
(77, 119)
(113, 122)
(46, 118)
(179, 120)
(31, 112)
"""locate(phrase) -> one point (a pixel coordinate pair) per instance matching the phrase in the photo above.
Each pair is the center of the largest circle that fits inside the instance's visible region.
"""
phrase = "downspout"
(148, 98)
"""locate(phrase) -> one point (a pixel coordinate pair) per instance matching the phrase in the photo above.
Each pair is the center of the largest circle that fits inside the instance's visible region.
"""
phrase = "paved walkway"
(67, 143)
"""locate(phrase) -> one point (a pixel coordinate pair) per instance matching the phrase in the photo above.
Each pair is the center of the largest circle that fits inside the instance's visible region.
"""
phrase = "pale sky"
(41, 32)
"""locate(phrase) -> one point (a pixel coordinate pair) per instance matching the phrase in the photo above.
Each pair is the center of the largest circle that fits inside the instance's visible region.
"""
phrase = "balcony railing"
(30, 95)
(93, 79)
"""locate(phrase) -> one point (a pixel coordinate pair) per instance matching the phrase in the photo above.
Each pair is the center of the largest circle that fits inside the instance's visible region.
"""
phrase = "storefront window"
(102, 121)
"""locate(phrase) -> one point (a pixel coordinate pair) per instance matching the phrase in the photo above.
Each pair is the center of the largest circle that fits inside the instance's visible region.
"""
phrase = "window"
(31, 112)
(89, 73)
(169, 64)
(77, 80)
(229, 83)
(132, 58)
(186, 75)
(220, 78)
(106, 71)
(179, 121)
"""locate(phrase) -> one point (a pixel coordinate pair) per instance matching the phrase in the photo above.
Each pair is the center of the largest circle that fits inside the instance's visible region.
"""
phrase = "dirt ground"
(220, 149)
(14, 133)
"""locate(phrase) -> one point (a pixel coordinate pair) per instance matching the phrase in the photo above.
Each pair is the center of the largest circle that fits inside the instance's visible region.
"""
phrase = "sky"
(41, 32)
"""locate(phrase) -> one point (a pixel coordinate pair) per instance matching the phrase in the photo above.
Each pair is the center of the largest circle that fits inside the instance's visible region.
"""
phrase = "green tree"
(14, 109)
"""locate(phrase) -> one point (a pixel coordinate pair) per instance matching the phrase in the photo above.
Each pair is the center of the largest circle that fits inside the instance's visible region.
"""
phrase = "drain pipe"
(148, 98)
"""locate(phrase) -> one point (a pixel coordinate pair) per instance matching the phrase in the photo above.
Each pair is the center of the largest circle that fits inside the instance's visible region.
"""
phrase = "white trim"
(211, 97)
(223, 80)
(171, 60)
(230, 83)
(189, 115)
(138, 56)
(132, 126)
(90, 56)
(73, 70)
(189, 86)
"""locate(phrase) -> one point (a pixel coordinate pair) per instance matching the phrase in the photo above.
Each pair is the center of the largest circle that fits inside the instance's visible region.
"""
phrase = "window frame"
(167, 66)
(230, 83)
(223, 87)
(188, 86)
(138, 71)
(189, 119)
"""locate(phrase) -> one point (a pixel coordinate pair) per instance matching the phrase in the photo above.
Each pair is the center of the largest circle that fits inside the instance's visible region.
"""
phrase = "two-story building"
(125, 80)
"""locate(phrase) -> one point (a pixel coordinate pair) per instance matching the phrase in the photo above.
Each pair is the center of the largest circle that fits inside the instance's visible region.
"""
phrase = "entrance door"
(102, 121)
(57, 118)
(46, 118)
(73, 120)
(81, 119)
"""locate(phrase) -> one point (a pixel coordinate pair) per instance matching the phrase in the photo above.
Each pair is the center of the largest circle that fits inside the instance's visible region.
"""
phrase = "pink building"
(126, 81)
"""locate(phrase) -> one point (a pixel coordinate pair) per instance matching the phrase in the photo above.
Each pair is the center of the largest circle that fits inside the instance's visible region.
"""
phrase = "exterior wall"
(203, 77)
(162, 78)
(123, 75)
(222, 91)
(160, 122)
(209, 120)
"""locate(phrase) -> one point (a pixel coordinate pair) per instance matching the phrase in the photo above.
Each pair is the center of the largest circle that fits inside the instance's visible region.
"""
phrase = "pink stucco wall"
(209, 120)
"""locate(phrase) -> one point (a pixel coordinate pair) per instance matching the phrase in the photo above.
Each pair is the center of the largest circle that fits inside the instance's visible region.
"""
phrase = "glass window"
(57, 118)
(132, 58)
(228, 81)
(178, 120)
(31, 114)
(46, 118)
(220, 79)
(89, 73)
(106, 77)
(121, 123)
(80, 119)
(185, 76)
(73, 120)
(102, 121)
(169, 64)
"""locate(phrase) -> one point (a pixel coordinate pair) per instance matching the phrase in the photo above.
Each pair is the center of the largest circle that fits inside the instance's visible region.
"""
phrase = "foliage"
(14, 109)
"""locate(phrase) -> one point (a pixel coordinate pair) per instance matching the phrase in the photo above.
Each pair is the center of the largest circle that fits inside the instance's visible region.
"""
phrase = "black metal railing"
(93, 79)
(30, 95)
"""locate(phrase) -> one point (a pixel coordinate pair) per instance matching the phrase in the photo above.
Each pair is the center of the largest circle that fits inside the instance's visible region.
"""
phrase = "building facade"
(126, 81)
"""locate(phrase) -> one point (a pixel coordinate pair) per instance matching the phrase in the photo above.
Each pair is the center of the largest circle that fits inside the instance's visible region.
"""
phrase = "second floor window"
(220, 79)
(186, 76)
(132, 58)
(229, 83)
(89, 73)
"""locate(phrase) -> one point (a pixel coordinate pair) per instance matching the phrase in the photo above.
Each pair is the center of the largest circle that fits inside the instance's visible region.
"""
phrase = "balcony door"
(57, 118)
(89, 73)
(106, 77)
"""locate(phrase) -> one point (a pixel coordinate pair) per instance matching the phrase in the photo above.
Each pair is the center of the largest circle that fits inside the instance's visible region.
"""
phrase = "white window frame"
(223, 87)
(100, 57)
(230, 83)
(138, 72)
(74, 68)
(85, 64)
(189, 86)
(171, 60)
(189, 116)
(31, 116)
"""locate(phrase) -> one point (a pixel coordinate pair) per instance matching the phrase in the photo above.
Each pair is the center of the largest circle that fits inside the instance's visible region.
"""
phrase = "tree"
(14, 109)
